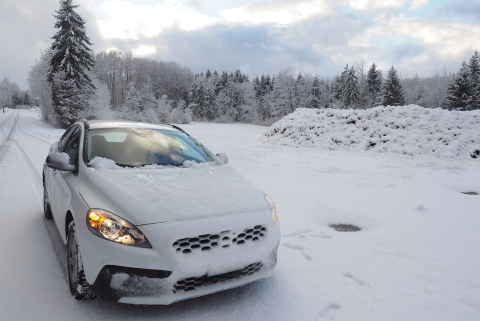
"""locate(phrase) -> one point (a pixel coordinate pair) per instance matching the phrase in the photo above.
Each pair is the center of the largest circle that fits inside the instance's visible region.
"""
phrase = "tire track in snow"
(10, 116)
(37, 184)
(43, 140)
(4, 146)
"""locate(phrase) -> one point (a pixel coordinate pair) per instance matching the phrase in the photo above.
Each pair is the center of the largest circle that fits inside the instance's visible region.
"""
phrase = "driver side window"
(64, 139)
(71, 147)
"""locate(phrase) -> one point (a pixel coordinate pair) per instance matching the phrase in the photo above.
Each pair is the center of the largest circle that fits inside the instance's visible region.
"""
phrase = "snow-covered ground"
(417, 256)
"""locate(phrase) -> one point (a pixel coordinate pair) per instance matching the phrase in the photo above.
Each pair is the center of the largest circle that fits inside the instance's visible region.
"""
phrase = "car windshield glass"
(143, 146)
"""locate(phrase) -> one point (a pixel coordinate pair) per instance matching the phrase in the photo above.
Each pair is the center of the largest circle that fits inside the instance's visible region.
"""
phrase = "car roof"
(95, 124)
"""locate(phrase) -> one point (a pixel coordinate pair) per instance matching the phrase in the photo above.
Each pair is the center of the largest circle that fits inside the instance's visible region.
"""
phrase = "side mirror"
(223, 158)
(60, 161)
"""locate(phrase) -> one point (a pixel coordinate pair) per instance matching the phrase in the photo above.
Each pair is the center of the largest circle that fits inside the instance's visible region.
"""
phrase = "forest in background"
(69, 82)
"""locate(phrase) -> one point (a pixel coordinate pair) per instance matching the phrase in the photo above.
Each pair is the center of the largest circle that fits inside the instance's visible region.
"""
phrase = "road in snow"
(417, 256)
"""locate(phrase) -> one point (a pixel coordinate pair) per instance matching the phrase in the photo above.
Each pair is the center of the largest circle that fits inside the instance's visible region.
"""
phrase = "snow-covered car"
(150, 216)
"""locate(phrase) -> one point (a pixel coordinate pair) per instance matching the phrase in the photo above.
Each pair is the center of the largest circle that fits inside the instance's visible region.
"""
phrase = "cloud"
(377, 5)
(461, 11)
(282, 12)
(418, 4)
(144, 50)
(127, 20)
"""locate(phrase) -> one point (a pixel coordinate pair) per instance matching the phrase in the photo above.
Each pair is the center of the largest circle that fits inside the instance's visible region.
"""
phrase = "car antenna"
(85, 123)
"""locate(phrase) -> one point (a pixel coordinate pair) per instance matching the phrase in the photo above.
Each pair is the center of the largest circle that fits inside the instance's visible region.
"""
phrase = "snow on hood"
(410, 130)
(162, 194)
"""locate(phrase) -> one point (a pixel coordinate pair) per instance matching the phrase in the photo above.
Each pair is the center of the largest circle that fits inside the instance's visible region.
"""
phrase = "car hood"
(145, 196)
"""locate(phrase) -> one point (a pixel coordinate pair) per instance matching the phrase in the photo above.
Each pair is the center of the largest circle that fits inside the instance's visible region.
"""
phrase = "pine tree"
(26, 99)
(133, 101)
(201, 99)
(336, 92)
(238, 76)
(374, 85)
(208, 74)
(474, 68)
(302, 92)
(70, 51)
(459, 91)
(68, 100)
(229, 98)
(351, 92)
(315, 99)
(392, 91)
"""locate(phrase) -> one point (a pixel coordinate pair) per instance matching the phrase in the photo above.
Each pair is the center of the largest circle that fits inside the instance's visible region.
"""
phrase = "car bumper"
(165, 274)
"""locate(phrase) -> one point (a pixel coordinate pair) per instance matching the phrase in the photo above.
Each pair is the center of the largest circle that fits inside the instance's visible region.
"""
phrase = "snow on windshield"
(140, 146)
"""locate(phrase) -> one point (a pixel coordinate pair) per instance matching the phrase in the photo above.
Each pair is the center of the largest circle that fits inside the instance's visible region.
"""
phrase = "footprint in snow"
(294, 246)
(322, 235)
(306, 255)
(297, 233)
(421, 208)
(356, 282)
(329, 312)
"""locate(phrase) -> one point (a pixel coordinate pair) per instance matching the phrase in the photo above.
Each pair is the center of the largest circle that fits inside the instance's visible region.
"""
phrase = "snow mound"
(410, 130)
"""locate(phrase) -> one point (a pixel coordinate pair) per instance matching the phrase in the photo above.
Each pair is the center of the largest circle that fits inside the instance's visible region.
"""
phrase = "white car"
(150, 216)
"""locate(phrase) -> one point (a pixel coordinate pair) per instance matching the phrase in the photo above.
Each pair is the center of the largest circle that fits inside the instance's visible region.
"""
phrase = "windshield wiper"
(169, 164)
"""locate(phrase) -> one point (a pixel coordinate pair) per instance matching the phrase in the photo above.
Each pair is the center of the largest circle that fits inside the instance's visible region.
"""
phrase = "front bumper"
(168, 272)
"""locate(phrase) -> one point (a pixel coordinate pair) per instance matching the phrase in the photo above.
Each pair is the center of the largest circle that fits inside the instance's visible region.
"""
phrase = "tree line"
(70, 82)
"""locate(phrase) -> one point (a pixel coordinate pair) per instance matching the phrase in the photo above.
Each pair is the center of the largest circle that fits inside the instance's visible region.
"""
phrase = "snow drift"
(410, 130)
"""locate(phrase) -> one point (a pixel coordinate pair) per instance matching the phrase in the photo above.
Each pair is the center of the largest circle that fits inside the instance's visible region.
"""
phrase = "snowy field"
(417, 256)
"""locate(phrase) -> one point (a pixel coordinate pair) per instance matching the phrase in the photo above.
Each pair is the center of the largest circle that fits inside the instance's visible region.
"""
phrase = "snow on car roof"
(127, 124)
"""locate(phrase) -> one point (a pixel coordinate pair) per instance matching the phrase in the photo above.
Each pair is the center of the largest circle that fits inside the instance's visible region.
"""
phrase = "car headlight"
(113, 228)
(272, 206)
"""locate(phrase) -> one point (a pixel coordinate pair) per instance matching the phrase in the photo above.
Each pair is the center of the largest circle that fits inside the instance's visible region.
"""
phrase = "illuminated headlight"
(272, 206)
(113, 228)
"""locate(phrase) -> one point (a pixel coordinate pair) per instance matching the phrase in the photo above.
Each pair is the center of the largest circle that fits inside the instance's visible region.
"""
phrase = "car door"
(62, 192)
(50, 173)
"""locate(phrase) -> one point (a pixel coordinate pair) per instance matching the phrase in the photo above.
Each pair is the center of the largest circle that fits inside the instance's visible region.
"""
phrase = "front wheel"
(47, 209)
(79, 286)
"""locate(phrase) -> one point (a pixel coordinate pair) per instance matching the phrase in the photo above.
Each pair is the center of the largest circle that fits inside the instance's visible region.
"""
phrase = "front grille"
(206, 242)
(192, 283)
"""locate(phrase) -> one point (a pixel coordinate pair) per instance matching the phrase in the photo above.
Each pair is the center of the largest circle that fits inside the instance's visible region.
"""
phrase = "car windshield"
(143, 146)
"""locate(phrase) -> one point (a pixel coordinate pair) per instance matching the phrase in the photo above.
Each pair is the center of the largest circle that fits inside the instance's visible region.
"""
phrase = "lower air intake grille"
(190, 284)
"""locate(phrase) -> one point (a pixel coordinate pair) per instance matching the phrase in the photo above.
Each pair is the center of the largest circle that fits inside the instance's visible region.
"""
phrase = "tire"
(79, 287)
(47, 209)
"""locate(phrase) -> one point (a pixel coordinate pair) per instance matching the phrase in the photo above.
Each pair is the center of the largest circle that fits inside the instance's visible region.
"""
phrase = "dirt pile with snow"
(410, 130)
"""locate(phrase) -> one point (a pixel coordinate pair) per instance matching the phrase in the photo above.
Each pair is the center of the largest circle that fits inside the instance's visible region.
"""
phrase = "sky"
(257, 36)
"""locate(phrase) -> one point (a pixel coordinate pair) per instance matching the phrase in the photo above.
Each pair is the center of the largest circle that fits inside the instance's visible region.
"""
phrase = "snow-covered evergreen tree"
(70, 48)
(133, 101)
(201, 99)
(208, 74)
(459, 91)
(336, 94)
(315, 98)
(474, 68)
(392, 91)
(351, 92)
(374, 85)
(302, 92)
(227, 101)
(68, 100)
